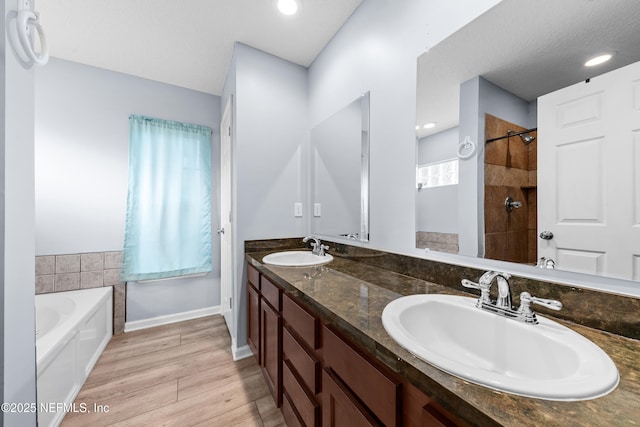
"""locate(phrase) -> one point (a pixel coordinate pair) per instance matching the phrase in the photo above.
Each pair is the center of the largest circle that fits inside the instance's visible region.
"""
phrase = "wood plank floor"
(181, 374)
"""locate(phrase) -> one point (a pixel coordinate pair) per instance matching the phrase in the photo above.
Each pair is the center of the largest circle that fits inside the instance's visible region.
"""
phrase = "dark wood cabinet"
(253, 311)
(419, 410)
(378, 389)
(301, 364)
(253, 321)
(264, 329)
(319, 377)
(340, 407)
(271, 341)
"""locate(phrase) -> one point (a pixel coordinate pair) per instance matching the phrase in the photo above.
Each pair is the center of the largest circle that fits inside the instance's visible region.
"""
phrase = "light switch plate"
(297, 209)
(317, 209)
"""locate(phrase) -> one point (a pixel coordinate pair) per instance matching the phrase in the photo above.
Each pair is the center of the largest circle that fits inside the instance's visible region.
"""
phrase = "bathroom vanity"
(318, 336)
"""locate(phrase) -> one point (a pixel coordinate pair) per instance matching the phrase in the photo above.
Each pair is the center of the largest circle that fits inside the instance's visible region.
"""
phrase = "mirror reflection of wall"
(339, 163)
(463, 86)
(437, 196)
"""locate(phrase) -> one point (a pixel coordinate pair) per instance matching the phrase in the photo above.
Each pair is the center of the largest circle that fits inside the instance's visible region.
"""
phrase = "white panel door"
(226, 226)
(589, 175)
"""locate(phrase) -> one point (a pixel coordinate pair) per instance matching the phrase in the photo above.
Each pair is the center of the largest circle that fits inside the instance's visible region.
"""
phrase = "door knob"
(546, 235)
(221, 230)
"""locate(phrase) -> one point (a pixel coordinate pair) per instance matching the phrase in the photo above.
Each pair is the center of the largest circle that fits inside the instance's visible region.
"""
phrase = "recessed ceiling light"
(598, 60)
(288, 7)
(429, 125)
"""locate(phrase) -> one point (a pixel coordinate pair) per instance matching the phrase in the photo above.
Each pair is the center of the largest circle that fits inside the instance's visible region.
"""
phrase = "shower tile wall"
(59, 273)
(510, 171)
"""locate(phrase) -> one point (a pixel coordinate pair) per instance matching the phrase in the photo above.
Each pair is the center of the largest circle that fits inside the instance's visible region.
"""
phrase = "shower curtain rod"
(510, 134)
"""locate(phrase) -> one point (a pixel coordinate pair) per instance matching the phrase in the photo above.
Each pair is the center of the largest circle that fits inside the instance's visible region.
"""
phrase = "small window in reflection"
(437, 174)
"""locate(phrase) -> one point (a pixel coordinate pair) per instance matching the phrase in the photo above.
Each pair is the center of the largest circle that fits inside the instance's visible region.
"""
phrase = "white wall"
(16, 227)
(82, 136)
(270, 145)
(377, 50)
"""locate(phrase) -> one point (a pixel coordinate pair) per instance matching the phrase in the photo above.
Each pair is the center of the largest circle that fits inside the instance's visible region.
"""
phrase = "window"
(168, 218)
(437, 174)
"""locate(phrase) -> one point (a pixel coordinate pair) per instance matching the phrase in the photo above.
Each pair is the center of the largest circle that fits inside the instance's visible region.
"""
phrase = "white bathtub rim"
(53, 344)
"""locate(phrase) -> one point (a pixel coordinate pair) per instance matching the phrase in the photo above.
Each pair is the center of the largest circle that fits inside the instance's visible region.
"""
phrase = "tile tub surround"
(334, 292)
(70, 272)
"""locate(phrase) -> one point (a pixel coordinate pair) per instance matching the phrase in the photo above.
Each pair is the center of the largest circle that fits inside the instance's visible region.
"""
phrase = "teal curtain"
(168, 219)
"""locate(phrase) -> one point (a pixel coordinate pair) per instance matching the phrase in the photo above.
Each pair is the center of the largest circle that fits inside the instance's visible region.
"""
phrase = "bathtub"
(72, 330)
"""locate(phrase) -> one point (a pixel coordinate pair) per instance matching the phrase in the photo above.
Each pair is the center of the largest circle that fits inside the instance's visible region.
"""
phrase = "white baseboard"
(241, 352)
(170, 318)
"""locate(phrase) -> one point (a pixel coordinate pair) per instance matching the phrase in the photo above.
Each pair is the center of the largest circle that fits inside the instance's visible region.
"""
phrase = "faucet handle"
(322, 248)
(526, 299)
(527, 315)
(484, 289)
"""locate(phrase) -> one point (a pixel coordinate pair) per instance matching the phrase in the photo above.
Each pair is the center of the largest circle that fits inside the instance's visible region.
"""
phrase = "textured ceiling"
(529, 48)
(186, 43)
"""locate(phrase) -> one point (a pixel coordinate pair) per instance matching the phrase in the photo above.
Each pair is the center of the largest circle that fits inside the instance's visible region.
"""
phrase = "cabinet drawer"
(340, 407)
(305, 364)
(377, 390)
(304, 404)
(253, 276)
(299, 320)
(290, 416)
(270, 292)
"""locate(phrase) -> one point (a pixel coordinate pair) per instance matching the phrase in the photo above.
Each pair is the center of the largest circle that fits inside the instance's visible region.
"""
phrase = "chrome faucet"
(504, 290)
(527, 315)
(502, 305)
(317, 248)
(544, 262)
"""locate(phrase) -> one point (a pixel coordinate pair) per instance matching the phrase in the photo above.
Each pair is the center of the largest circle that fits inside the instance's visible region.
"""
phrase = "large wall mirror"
(340, 173)
(490, 84)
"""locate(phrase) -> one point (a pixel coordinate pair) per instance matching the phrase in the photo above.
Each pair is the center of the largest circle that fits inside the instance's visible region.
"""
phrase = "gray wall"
(82, 136)
(17, 267)
(437, 208)
(270, 145)
(377, 50)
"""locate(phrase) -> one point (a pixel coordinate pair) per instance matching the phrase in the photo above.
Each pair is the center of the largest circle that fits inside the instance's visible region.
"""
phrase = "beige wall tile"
(67, 263)
(118, 325)
(91, 279)
(112, 259)
(45, 265)
(119, 301)
(44, 284)
(92, 261)
(112, 277)
(67, 281)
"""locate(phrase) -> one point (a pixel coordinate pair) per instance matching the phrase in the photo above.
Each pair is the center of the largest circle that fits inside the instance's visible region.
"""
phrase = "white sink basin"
(296, 259)
(545, 361)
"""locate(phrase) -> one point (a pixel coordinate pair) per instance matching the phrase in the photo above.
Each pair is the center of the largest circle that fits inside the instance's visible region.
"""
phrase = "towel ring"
(25, 19)
(466, 148)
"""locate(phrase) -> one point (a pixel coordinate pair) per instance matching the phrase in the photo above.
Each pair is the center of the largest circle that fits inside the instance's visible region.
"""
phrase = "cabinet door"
(272, 350)
(340, 407)
(253, 321)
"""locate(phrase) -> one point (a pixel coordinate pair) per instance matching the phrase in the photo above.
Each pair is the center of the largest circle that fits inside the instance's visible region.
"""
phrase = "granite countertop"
(351, 296)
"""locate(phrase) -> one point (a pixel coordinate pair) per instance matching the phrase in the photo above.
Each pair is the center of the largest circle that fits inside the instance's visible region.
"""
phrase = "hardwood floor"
(181, 374)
